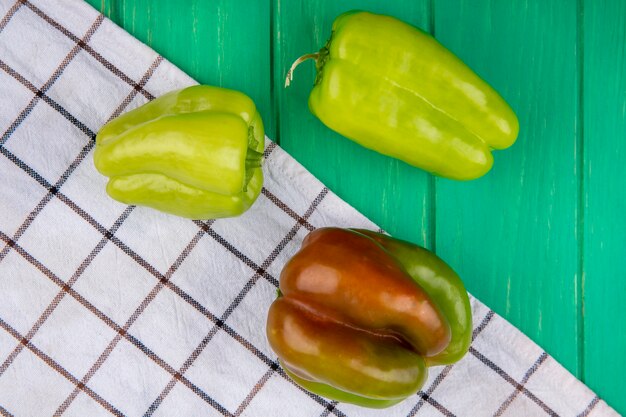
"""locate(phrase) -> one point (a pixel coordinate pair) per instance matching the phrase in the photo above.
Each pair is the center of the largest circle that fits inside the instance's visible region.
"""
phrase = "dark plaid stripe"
(61, 370)
(68, 116)
(444, 373)
(124, 330)
(259, 271)
(590, 407)
(540, 360)
(429, 392)
(268, 151)
(61, 294)
(245, 343)
(85, 303)
(70, 56)
(40, 93)
(80, 157)
(511, 381)
(232, 249)
(106, 63)
(144, 80)
(329, 409)
(157, 275)
(479, 329)
(18, 120)
(109, 322)
(179, 375)
(52, 191)
(238, 299)
(7, 17)
(284, 207)
(5, 413)
(31, 216)
(321, 401)
(443, 410)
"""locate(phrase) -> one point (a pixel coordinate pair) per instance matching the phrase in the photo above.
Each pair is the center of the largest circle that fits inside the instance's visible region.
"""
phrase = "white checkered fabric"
(113, 309)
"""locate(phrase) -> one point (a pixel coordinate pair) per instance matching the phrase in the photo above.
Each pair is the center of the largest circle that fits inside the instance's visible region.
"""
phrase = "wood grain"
(541, 238)
(224, 43)
(512, 233)
(604, 97)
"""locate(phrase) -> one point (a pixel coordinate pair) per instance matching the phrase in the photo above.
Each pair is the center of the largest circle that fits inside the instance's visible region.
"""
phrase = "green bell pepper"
(393, 88)
(194, 152)
(361, 316)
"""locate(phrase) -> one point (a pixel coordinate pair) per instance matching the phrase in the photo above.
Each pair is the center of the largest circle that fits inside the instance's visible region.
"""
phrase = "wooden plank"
(224, 43)
(604, 98)
(389, 192)
(512, 234)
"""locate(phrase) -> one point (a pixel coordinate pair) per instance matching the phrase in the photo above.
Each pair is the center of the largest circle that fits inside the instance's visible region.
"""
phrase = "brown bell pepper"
(355, 322)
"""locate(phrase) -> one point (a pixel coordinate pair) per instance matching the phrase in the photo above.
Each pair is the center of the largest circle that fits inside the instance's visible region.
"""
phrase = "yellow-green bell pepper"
(393, 88)
(194, 153)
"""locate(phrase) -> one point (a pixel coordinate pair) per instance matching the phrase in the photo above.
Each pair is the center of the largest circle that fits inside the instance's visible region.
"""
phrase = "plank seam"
(580, 232)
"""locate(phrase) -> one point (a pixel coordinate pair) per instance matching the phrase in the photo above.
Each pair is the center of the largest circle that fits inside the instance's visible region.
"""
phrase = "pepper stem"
(297, 62)
(254, 158)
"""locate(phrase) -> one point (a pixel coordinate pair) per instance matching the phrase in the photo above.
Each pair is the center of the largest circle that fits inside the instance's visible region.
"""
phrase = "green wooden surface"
(603, 199)
(512, 233)
(542, 238)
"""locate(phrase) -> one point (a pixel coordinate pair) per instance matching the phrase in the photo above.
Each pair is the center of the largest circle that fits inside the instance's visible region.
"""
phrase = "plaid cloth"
(111, 309)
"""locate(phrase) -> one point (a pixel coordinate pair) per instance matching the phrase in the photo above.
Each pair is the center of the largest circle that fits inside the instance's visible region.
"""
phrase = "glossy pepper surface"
(361, 316)
(194, 153)
(393, 88)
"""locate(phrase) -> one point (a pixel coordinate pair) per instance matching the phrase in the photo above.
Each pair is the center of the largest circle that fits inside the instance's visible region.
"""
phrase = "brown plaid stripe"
(178, 376)
(39, 93)
(107, 320)
(163, 280)
(106, 63)
(109, 235)
(541, 359)
(123, 331)
(9, 15)
(290, 235)
(519, 387)
(255, 390)
(426, 396)
(54, 365)
(272, 364)
(60, 295)
(481, 357)
(53, 190)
